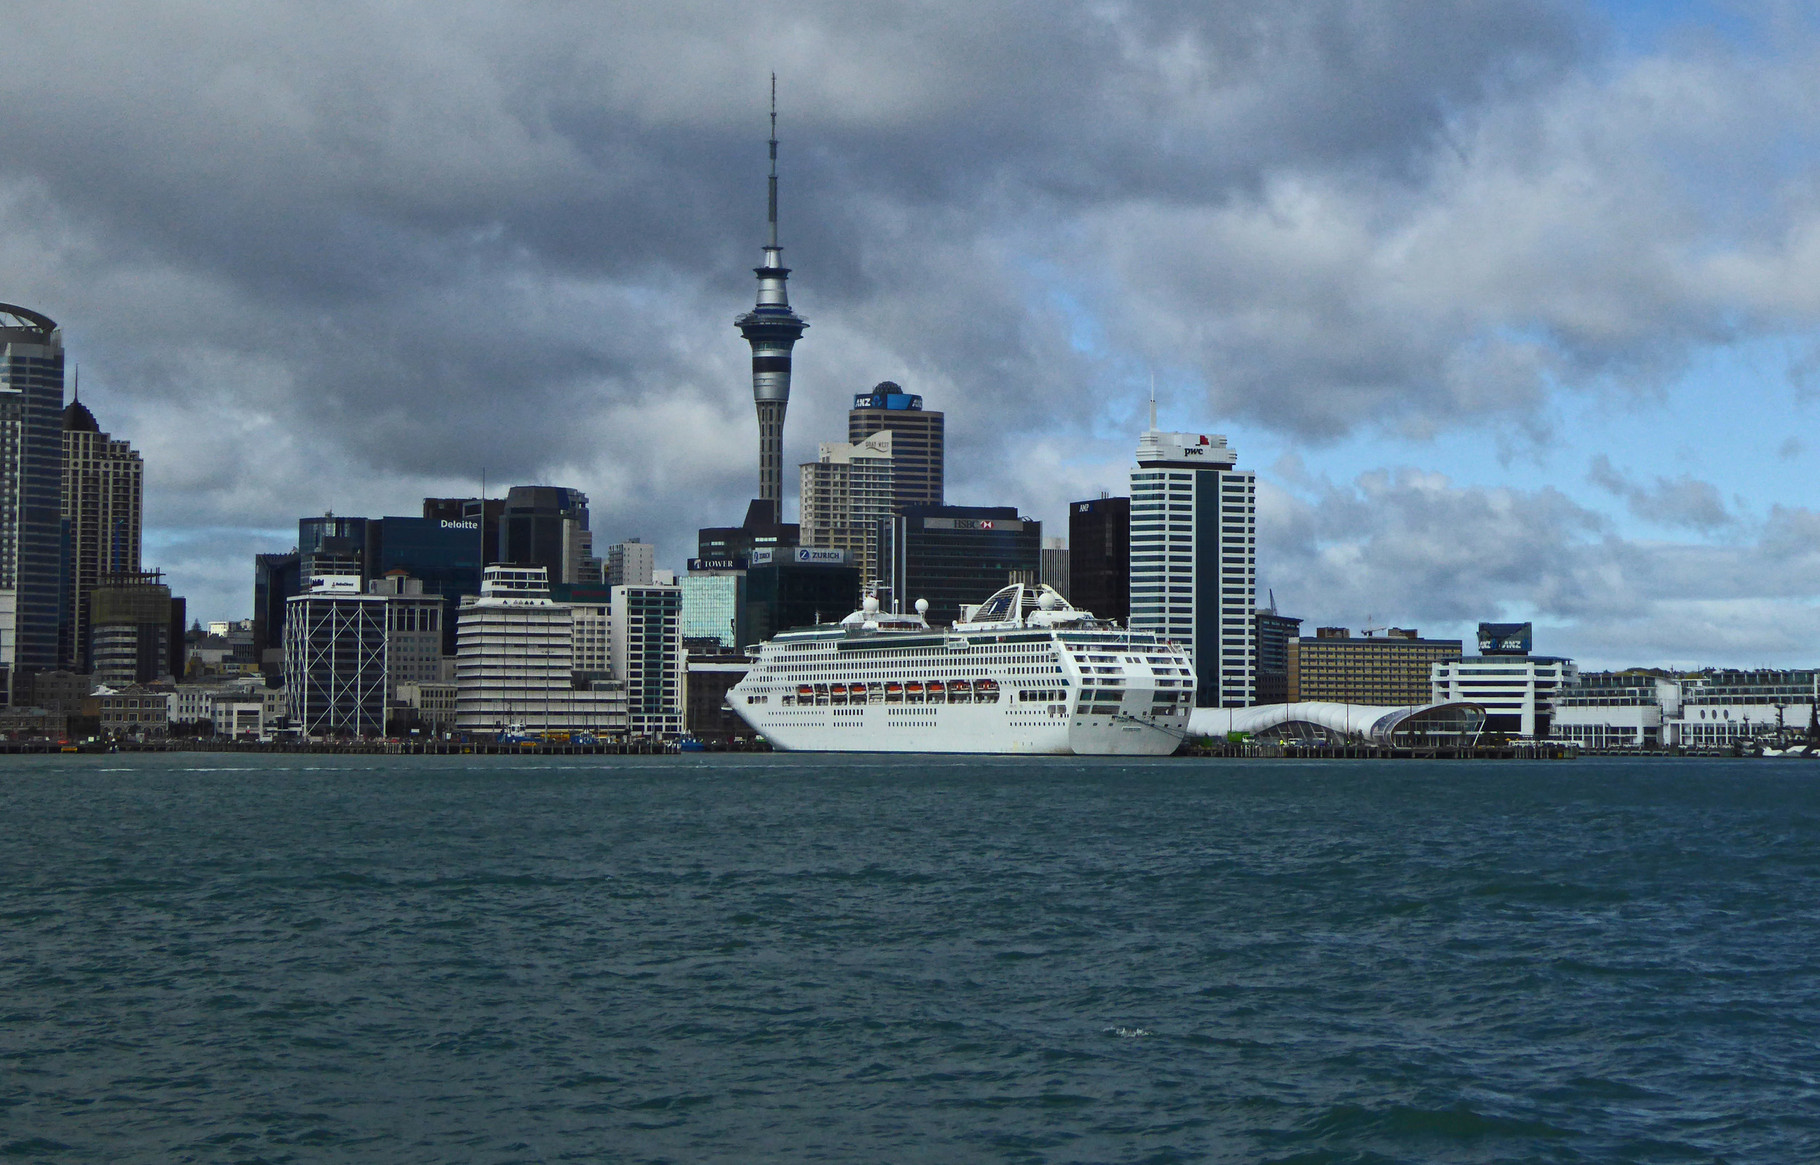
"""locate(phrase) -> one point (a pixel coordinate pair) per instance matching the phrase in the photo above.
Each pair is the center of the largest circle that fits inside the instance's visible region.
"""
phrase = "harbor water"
(715, 958)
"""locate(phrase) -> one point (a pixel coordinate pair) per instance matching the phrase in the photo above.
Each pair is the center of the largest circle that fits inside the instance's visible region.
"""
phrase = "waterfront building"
(335, 658)
(516, 661)
(1194, 557)
(1392, 670)
(429, 707)
(772, 330)
(710, 677)
(31, 486)
(136, 629)
(1517, 692)
(957, 556)
(134, 710)
(1099, 557)
(103, 488)
(1623, 711)
(846, 494)
(1271, 634)
(1723, 709)
(648, 658)
(918, 442)
(631, 563)
(796, 587)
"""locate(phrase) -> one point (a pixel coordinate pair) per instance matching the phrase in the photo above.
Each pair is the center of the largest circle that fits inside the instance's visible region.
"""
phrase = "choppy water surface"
(907, 959)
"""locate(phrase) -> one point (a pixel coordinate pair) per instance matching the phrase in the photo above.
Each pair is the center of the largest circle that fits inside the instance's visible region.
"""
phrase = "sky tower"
(772, 329)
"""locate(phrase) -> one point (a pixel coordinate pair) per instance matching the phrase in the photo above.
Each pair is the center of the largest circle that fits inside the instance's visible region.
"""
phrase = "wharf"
(1525, 750)
(359, 747)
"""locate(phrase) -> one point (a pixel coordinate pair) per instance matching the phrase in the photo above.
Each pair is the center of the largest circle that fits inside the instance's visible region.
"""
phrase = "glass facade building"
(31, 492)
(956, 556)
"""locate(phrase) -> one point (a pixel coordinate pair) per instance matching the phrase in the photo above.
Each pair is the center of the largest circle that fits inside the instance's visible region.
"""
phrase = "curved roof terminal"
(27, 318)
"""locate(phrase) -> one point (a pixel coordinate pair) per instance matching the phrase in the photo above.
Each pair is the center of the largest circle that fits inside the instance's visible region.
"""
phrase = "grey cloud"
(1416, 549)
(1682, 501)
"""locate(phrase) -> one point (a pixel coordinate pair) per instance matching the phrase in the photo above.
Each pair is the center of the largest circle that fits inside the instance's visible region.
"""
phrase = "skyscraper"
(772, 329)
(917, 441)
(1099, 550)
(31, 472)
(547, 526)
(846, 493)
(1194, 557)
(103, 484)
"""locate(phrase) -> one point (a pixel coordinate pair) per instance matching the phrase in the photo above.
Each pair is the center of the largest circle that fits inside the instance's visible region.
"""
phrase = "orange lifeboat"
(914, 691)
(894, 692)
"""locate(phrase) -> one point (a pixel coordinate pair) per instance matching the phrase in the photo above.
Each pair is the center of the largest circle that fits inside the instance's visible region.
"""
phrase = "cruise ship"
(1023, 672)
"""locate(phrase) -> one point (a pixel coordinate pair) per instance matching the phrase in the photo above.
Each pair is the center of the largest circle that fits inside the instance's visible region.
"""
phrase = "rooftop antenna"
(1153, 402)
(78, 371)
(1271, 591)
(773, 182)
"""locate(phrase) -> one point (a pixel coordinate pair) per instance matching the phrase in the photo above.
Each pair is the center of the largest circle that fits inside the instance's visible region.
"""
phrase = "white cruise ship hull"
(960, 728)
(1029, 675)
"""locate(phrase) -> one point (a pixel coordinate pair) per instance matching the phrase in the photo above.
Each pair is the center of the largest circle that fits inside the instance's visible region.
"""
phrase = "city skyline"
(1495, 347)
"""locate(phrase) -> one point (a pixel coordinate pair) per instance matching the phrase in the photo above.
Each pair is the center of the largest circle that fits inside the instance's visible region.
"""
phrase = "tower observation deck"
(772, 329)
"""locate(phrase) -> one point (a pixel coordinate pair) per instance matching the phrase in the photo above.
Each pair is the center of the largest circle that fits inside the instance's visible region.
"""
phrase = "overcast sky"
(1513, 306)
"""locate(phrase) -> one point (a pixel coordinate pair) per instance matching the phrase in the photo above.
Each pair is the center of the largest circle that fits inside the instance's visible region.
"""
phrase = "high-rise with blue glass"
(31, 492)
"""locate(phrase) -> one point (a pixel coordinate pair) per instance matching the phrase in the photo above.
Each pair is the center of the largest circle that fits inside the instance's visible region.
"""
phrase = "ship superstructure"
(1023, 672)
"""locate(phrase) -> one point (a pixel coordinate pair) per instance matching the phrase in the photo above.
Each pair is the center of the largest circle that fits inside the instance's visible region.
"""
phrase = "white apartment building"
(631, 563)
(846, 493)
(1516, 691)
(516, 660)
(1194, 557)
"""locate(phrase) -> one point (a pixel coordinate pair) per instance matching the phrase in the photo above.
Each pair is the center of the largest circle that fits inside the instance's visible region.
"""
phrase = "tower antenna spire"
(1153, 402)
(773, 183)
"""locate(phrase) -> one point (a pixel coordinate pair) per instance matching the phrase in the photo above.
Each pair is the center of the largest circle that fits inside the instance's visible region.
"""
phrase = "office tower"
(1055, 566)
(1390, 671)
(957, 556)
(734, 544)
(331, 545)
(31, 489)
(1194, 556)
(335, 658)
(917, 441)
(846, 494)
(631, 563)
(1270, 651)
(136, 629)
(1099, 557)
(519, 663)
(103, 482)
(547, 526)
(797, 587)
(485, 513)
(414, 619)
(444, 554)
(713, 605)
(276, 577)
(772, 329)
(648, 657)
